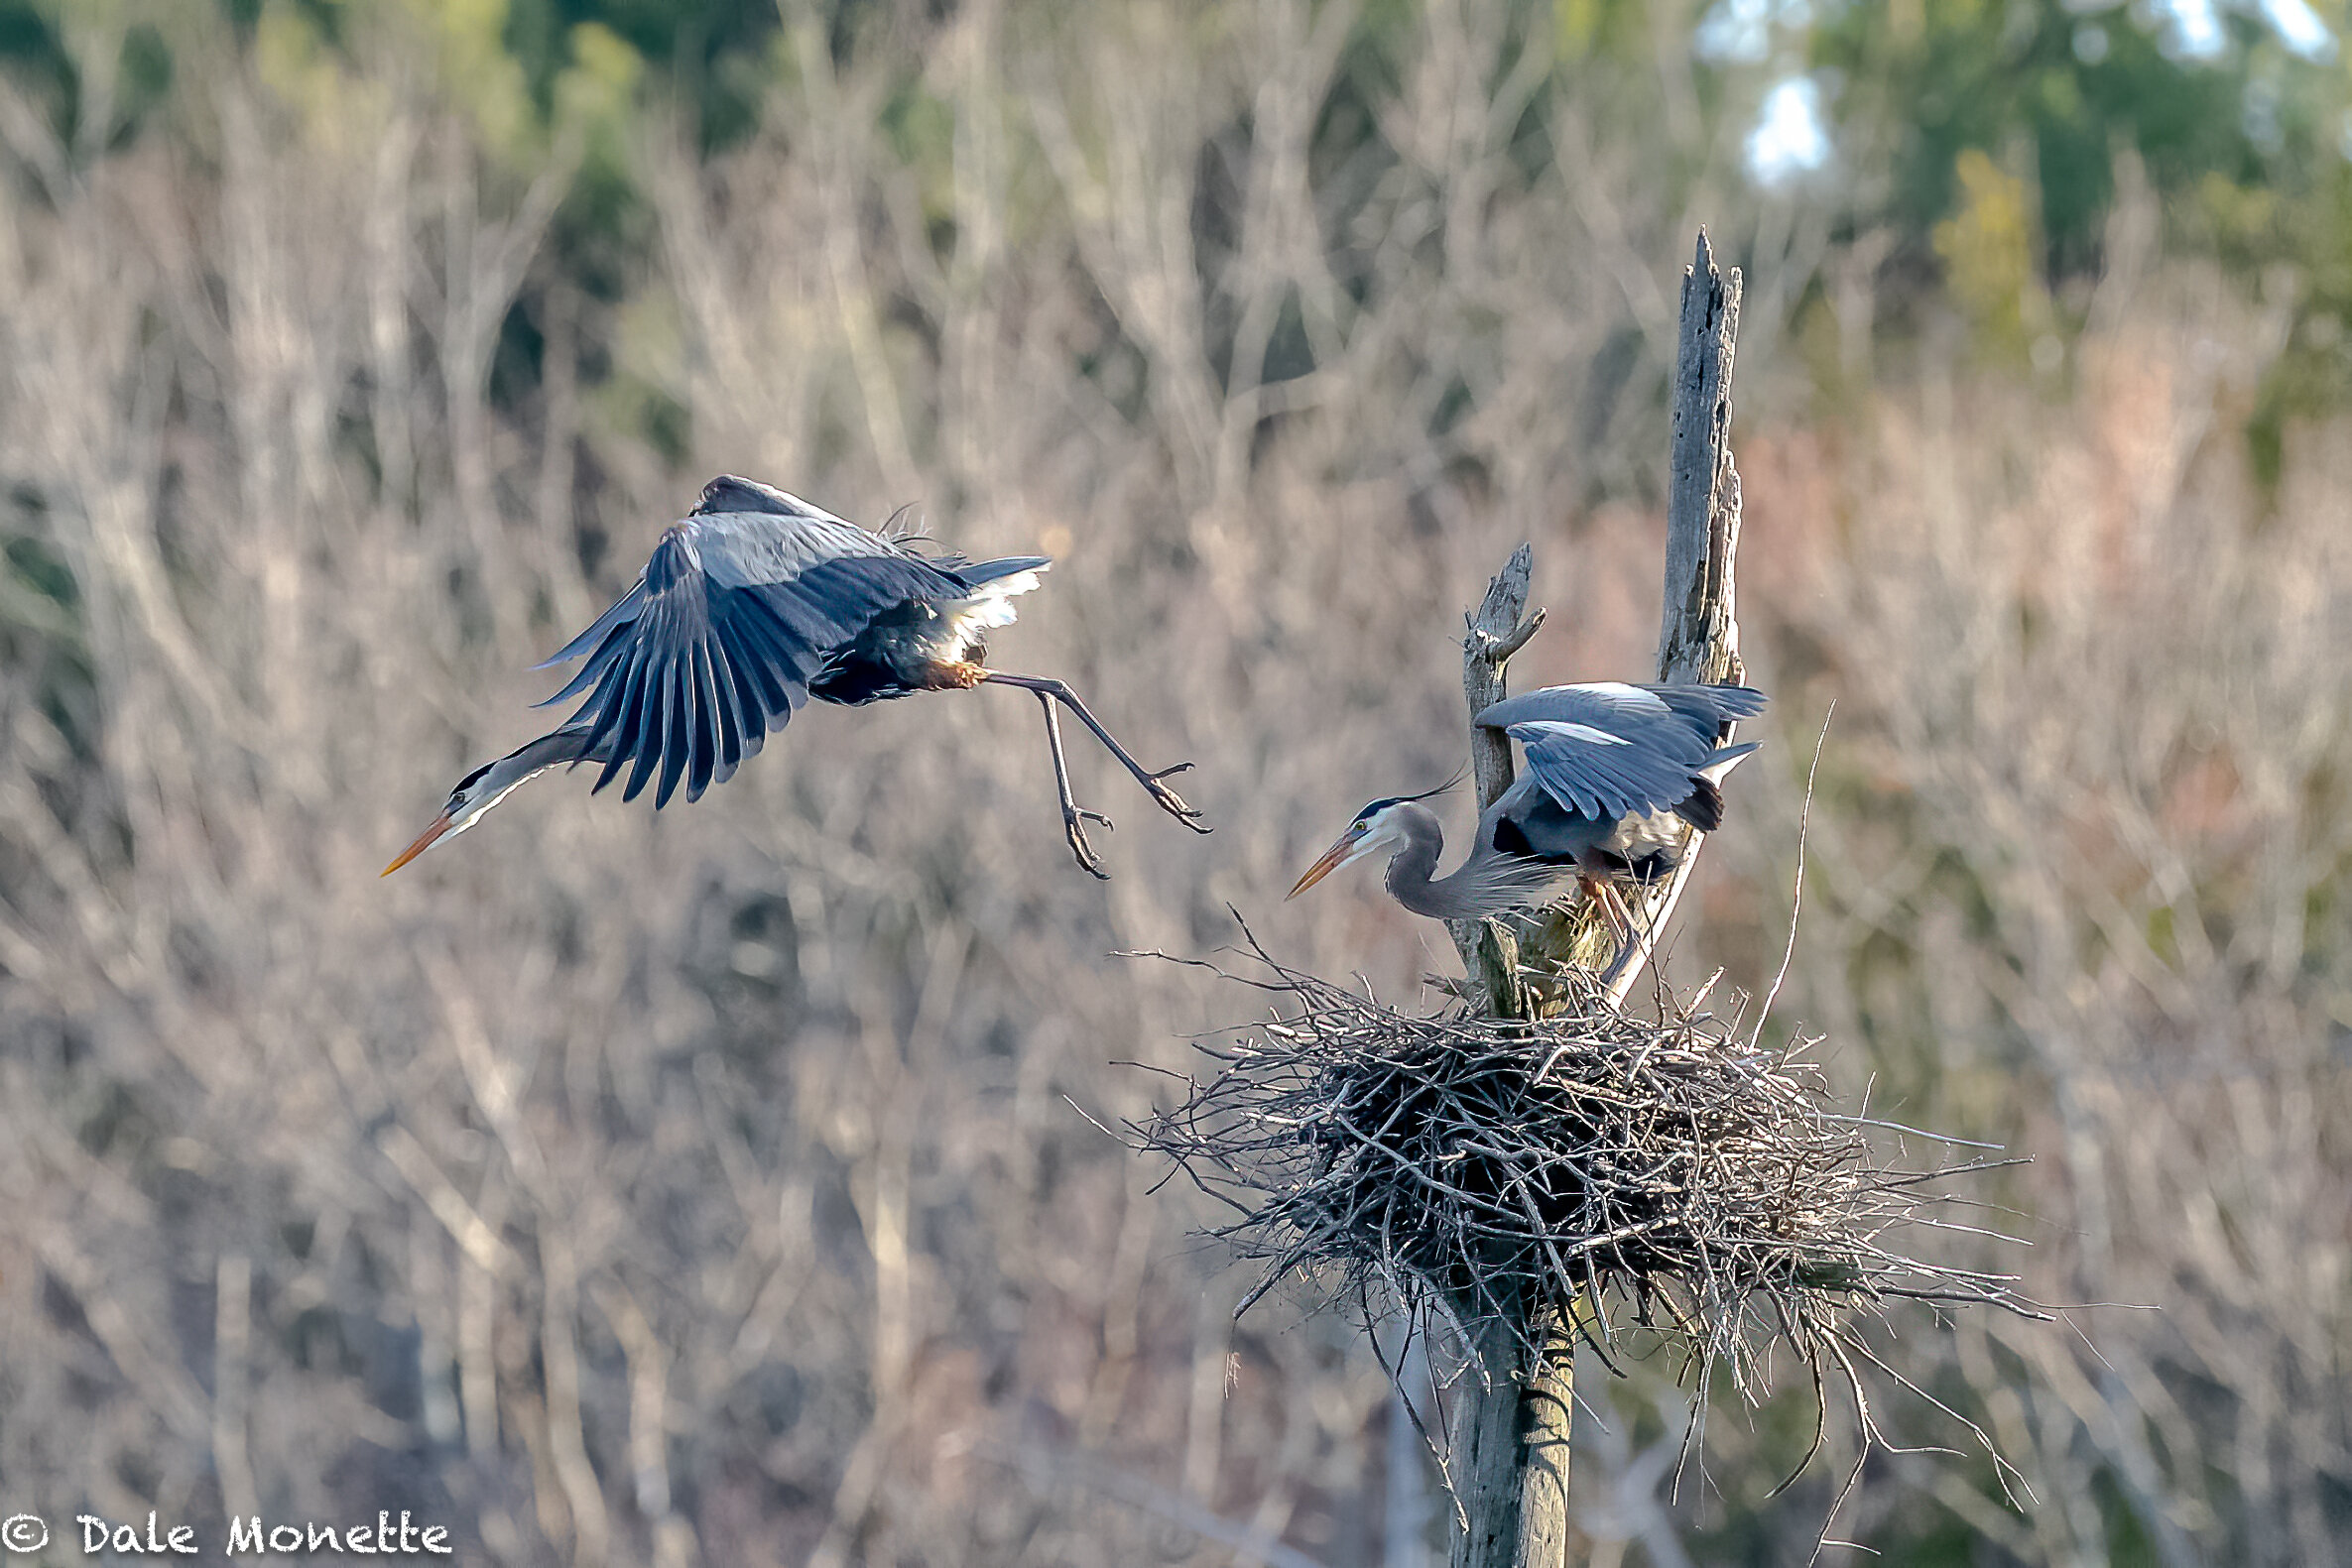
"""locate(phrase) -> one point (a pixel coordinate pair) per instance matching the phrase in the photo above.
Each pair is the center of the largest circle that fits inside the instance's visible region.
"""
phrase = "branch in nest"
(1679, 1177)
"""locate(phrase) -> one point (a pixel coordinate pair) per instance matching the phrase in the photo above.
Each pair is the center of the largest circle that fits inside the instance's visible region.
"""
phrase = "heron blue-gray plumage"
(748, 607)
(1611, 770)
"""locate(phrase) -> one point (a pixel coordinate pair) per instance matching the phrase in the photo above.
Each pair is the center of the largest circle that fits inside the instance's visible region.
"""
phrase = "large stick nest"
(1591, 1166)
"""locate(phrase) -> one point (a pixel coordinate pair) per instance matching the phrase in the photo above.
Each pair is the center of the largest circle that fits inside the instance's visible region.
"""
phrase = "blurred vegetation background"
(708, 1188)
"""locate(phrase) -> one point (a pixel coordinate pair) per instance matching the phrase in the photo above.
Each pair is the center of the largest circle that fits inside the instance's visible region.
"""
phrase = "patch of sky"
(1790, 137)
(2298, 27)
(2192, 29)
(1741, 31)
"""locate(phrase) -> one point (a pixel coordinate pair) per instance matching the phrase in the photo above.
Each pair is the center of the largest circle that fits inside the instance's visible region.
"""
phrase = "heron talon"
(1074, 829)
(1173, 804)
(1169, 800)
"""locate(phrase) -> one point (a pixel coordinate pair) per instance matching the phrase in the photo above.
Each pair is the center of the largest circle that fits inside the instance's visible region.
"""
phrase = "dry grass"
(2092, 694)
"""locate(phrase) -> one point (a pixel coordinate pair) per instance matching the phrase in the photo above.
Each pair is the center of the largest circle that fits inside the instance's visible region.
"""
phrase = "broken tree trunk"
(1512, 1420)
(1698, 633)
(1490, 956)
(1510, 1443)
(1699, 636)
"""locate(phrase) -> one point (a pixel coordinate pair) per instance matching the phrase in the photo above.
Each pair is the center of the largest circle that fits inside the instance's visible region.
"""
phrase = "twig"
(1498, 1170)
(1804, 821)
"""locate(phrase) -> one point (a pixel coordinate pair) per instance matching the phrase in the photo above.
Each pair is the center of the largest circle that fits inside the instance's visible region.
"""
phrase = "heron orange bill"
(440, 825)
(1333, 859)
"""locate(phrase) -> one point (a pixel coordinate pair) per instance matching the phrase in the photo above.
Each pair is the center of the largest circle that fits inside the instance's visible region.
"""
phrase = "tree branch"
(1492, 632)
(1699, 634)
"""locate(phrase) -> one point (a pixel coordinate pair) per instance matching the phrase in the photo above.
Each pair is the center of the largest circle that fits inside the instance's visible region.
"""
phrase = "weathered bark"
(1490, 957)
(1486, 1452)
(1511, 1451)
(1511, 1428)
(1699, 634)
(1510, 1444)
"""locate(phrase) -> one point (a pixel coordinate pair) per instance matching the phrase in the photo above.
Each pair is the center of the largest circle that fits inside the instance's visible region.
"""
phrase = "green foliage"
(37, 53)
(1986, 247)
(1933, 83)
(1988, 137)
(709, 52)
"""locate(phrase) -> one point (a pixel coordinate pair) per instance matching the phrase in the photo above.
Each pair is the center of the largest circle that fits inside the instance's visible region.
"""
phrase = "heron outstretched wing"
(1687, 720)
(717, 642)
(1610, 749)
(1596, 774)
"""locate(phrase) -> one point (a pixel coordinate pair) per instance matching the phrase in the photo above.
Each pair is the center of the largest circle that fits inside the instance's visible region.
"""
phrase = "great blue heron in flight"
(751, 605)
(1610, 768)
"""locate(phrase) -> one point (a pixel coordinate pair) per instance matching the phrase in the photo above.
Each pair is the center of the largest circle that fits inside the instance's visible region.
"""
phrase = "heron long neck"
(1413, 868)
(530, 758)
(566, 745)
(1485, 882)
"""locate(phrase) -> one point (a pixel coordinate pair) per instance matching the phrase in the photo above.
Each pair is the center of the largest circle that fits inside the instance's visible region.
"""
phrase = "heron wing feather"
(1596, 774)
(726, 725)
(678, 722)
(727, 702)
(727, 493)
(1610, 706)
(620, 719)
(734, 615)
(987, 571)
(643, 720)
(754, 693)
(742, 549)
(702, 739)
(623, 610)
(1685, 720)
(1704, 710)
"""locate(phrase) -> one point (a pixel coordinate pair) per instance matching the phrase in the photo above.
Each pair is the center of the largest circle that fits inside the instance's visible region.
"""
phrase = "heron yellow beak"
(440, 825)
(1335, 857)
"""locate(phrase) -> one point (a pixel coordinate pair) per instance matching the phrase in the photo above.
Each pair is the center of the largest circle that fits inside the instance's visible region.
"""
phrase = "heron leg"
(1074, 816)
(1631, 939)
(1049, 692)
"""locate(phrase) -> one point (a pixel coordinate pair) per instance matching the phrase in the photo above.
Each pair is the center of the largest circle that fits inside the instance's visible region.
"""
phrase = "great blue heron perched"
(1609, 768)
(751, 605)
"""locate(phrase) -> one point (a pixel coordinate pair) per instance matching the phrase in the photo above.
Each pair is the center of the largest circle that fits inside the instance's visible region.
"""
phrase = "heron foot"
(1170, 802)
(1073, 827)
(1050, 691)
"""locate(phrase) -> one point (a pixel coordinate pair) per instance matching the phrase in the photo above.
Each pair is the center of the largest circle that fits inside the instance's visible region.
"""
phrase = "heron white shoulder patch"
(1621, 691)
(1552, 730)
